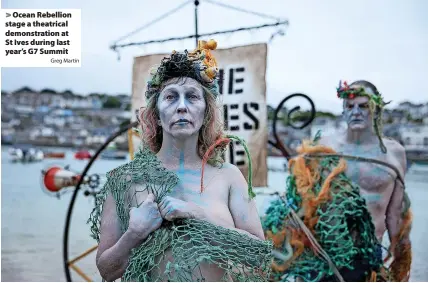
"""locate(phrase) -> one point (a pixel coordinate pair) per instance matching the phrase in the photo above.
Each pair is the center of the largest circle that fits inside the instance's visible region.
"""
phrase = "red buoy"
(57, 178)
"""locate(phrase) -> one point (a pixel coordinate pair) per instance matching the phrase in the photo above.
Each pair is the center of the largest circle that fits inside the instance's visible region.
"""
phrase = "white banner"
(243, 93)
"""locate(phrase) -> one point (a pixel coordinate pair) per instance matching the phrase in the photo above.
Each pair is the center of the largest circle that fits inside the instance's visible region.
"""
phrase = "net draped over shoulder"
(190, 241)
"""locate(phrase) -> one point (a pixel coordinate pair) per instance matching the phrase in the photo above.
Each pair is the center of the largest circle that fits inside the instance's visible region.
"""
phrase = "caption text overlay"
(40, 38)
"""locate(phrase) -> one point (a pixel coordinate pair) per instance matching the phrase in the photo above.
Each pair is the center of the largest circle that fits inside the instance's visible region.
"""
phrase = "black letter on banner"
(220, 80)
(239, 80)
(232, 80)
(226, 117)
(234, 151)
(251, 116)
(232, 160)
(234, 117)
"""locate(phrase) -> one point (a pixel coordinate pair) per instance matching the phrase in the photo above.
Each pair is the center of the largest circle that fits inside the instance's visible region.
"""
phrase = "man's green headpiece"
(346, 92)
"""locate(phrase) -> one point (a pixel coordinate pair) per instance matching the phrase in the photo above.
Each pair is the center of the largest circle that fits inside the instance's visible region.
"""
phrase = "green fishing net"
(343, 228)
(191, 242)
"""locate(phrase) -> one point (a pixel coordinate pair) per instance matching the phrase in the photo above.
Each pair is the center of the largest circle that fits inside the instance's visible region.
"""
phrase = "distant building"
(59, 117)
(328, 126)
(50, 98)
(415, 137)
(24, 97)
(42, 132)
(416, 111)
(125, 100)
(96, 101)
(292, 138)
(7, 133)
(393, 131)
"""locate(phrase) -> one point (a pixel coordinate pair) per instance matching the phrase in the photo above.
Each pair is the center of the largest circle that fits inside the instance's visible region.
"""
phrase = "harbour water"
(32, 222)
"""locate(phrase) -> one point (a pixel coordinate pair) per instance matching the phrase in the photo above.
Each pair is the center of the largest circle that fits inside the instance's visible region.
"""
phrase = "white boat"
(25, 154)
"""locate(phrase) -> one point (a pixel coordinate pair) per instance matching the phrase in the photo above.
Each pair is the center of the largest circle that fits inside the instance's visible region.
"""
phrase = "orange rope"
(297, 242)
(402, 252)
(307, 174)
(207, 155)
(373, 277)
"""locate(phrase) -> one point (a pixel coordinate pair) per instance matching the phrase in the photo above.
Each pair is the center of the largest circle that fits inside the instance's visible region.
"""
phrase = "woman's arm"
(244, 211)
(114, 248)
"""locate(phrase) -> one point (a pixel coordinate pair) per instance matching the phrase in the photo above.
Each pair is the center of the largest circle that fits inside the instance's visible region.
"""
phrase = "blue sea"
(32, 222)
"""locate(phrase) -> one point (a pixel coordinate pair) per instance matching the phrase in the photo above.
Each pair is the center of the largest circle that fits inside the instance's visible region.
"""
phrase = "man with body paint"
(180, 127)
(380, 185)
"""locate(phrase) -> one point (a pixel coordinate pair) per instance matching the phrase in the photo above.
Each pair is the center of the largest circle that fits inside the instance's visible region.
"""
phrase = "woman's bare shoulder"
(229, 169)
(233, 175)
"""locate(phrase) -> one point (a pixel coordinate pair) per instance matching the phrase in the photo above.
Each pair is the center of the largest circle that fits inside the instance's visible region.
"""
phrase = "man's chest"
(370, 176)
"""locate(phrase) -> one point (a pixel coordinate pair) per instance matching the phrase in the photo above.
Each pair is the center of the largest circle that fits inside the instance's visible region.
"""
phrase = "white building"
(42, 132)
(416, 111)
(59, 117)
(327, 126)
(415, 137)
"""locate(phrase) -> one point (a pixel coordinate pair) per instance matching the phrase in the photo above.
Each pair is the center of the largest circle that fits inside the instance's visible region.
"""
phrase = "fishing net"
(322, 226)
(189, 242)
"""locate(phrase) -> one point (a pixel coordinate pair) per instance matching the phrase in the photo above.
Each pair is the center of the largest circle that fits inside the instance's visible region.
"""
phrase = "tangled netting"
(190, 242)
(322, 225)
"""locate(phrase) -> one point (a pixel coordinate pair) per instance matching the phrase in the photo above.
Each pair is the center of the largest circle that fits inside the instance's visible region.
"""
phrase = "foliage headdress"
(376, 104)
(199, 64)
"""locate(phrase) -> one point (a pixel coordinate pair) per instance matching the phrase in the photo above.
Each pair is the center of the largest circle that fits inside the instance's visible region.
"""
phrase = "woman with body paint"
(153, 219)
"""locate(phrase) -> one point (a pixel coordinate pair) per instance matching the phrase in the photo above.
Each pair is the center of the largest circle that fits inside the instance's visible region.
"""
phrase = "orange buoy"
(56, 178)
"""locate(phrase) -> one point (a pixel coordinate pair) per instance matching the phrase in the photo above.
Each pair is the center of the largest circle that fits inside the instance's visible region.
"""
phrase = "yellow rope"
(78, 270)
(82, 255)
(131, 133)
(130, 144)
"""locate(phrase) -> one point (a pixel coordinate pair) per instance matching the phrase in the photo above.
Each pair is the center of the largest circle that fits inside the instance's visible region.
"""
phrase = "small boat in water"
(25, 154)
(82, 154)
(54, 154)
(112, 154)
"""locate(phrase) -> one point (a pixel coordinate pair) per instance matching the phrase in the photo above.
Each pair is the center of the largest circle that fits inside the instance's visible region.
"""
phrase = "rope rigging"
(278, 22)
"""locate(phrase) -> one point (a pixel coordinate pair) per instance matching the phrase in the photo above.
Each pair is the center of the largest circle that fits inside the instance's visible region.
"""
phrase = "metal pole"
(196, 22)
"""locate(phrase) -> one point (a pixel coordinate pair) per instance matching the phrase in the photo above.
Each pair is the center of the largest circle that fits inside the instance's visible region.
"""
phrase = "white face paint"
(182, 108)
(357, 112)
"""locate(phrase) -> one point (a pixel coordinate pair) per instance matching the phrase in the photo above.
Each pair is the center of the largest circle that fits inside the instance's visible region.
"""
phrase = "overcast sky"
(380, 41)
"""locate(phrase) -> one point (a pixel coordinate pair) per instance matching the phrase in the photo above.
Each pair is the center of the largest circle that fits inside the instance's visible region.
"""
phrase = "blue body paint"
(189, 177)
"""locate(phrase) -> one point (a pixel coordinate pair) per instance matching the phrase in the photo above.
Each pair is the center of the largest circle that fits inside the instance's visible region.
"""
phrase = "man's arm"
(393, 213)
(395, 205)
